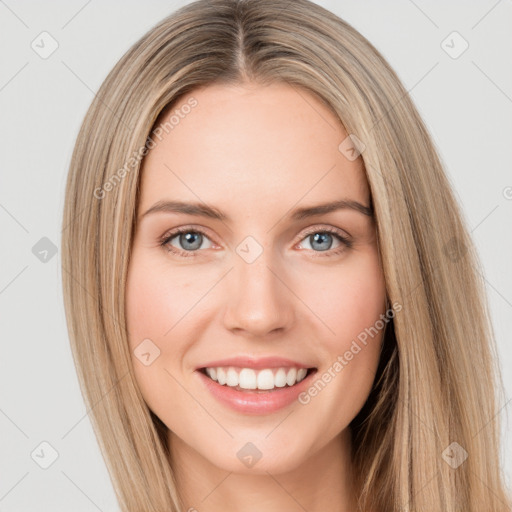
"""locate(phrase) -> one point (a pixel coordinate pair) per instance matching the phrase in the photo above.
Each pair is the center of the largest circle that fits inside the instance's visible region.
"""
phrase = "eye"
(320, 240)
(190, 240)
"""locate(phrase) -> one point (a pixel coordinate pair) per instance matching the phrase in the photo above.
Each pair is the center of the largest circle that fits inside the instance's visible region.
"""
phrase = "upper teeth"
(247, 378)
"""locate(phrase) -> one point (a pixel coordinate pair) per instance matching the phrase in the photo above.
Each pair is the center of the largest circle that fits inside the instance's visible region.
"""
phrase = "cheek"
(350, 303)
(153, 308)
(348, 300)
(146, 307)
(153, 303)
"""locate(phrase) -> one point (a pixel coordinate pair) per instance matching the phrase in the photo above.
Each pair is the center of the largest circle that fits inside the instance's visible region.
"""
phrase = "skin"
(256, 153)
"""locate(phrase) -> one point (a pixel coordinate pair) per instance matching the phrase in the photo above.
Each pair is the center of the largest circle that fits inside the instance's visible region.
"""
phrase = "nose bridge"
(259, 302)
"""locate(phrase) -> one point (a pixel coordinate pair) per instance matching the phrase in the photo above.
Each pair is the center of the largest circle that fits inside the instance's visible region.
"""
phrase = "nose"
(260, 303)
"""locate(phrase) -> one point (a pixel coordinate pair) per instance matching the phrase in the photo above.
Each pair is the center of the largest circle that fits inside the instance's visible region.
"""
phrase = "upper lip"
(256, 363)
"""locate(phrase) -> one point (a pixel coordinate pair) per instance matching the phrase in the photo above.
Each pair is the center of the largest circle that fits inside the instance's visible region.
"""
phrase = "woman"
(249, 364)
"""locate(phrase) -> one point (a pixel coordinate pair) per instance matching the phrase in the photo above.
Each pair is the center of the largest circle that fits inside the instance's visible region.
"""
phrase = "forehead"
(251, 143)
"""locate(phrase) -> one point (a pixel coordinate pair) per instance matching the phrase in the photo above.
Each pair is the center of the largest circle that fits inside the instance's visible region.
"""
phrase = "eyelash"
(164, 241)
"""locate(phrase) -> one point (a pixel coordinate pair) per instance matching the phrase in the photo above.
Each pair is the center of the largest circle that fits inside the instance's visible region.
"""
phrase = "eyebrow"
(203, 210)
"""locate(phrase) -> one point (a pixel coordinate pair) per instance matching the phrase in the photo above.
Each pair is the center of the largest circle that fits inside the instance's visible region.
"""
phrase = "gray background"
(465, 101)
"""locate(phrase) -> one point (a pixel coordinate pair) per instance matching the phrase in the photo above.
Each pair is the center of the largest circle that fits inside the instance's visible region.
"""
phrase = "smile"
(257, 392)
(250, 379)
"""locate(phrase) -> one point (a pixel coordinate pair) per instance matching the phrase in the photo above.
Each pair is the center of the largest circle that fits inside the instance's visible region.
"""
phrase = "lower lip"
(256, 401)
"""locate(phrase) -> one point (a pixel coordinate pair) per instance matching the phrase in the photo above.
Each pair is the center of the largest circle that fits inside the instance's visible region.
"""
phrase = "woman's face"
(256, 275)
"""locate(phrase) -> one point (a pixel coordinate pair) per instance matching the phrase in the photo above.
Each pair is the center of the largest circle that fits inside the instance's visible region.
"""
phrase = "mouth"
(249, 380)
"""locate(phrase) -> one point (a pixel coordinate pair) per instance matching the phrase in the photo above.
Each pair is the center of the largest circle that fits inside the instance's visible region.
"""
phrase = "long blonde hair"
(438, 379)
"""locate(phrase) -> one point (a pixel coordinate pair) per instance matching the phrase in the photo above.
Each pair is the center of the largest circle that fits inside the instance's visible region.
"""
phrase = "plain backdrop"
(465, 98)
